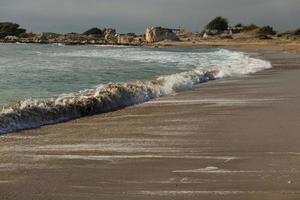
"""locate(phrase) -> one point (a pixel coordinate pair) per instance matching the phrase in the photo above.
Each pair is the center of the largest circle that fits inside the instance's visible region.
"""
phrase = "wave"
(33, 113)
(145, 55)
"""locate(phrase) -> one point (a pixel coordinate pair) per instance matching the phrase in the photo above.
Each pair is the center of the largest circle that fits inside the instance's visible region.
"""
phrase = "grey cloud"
(135, 15)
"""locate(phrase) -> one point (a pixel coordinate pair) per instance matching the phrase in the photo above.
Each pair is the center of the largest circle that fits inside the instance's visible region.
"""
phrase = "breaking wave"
(34, 113)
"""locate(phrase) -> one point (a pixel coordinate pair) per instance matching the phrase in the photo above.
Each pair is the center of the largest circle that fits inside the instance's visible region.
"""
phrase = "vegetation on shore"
(267, 30)
(218, 24)
(10, 29)
(218, 28)
(93, 31)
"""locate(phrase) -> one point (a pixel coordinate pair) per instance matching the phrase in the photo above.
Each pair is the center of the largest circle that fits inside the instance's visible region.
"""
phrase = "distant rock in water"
(156, 34)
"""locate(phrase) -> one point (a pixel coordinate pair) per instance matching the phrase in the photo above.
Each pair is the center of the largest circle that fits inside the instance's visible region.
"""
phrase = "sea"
(47, 84)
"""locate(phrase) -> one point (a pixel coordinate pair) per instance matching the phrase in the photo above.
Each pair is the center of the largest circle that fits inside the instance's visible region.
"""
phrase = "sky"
(135, 15)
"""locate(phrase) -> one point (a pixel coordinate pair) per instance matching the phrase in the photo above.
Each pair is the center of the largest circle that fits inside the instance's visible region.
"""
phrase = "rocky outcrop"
(156, 34)
(130, 40)
(11, 38)
(110, 35)
(124, 39)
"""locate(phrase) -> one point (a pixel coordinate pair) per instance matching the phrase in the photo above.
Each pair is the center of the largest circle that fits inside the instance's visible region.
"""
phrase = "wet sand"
(236, 138)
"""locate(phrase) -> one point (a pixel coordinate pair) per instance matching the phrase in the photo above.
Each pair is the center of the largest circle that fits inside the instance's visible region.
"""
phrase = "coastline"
(35, 112)
(243, 45)
(225, 139)
(291, 46)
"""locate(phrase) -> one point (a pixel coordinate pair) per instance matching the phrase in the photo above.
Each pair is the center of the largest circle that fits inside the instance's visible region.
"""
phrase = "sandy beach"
(242, 44)
(235, 138)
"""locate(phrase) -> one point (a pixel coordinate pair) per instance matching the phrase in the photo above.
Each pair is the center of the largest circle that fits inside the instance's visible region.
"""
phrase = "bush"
(251, 27)
(267, 30)
(239, 26)
(297, 32)
(218, 24)
(10, 29)
(93, 31)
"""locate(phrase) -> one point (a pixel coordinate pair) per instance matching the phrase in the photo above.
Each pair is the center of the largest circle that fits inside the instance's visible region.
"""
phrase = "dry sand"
(251, 43)
(237, 138)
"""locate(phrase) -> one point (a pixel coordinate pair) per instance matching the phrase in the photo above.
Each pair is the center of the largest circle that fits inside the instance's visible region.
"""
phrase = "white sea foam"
(199, 59)
(37, 112)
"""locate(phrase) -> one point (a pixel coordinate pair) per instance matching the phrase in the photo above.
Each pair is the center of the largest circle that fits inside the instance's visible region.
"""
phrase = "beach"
(242, 44)
(233, 138)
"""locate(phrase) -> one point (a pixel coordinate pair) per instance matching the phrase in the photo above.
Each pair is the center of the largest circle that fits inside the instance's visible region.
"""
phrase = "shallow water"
(32, 71)
(54, 83)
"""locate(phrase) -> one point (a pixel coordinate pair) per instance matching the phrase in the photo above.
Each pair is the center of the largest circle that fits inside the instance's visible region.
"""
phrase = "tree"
(10, 29)
(297, 32)
(93, 31)
(218, 24)
(266, 30)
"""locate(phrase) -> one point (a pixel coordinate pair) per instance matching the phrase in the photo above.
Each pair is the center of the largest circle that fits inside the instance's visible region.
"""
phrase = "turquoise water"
(38, 71)
(47, 84)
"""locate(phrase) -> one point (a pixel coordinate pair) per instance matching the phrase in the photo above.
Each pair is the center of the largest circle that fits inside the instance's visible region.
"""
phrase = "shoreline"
(242, 44)
(227, 139)
(75, 44)
(34, 113)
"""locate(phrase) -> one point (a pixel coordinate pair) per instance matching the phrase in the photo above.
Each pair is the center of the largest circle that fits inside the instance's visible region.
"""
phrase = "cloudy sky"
(135, 15)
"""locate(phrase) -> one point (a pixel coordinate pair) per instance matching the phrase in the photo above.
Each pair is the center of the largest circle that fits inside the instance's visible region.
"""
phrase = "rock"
(130, 40)
(110, 34)
(139, 40)
(48, 35)
(11, 38)
(125, 39)
(205, 36)
(156, 34)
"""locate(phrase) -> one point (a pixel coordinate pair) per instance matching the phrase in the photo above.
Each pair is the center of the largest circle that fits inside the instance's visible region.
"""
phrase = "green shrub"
(251, 27)
(218, 24)
(297, 32)
(93, 31)
(10, 29)
(239, 26)
(267, 30)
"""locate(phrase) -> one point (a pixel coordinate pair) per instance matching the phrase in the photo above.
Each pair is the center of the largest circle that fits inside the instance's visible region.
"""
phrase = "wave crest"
(34, 113)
